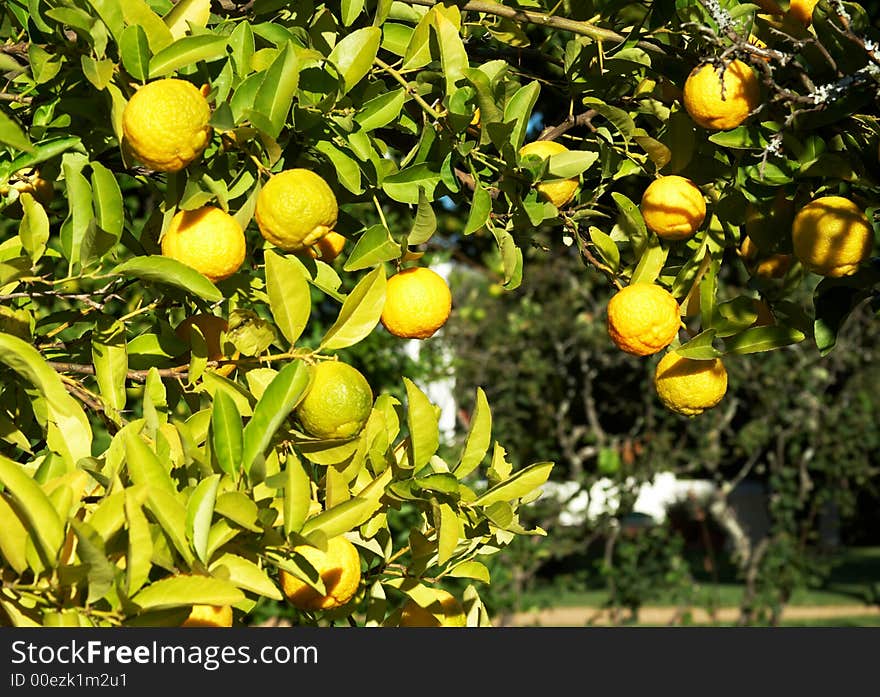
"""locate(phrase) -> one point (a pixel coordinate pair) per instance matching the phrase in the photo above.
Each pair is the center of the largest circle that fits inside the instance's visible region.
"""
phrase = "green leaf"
(240, 509)
(275, 94)
(567, 165)
(700, 348)
(453, 56)
(470, 569)
(450, 531)
(425, 223)
(519, 485)
(289, 296)
(110, 359)
(138, 12)
(186, 13)
(481, 207)
(187, 51)
(226, 433)
(98, 72)
(405, 186)
(651, 263)
(341, 518)
(348, 171)
(200, 513)
(138, 561)
(170, 513)
(297, 495)
(13, 537)
(244, 574)
(762, 339)
(109, 212)
(176, 591)
(423, 422)
(518, 111)
(360, 312)
(80, 215)
(100, 572)
(11, 134)
(511, 258)
(606, 246)
(353, 56)
(68, 430)
(478, 439)
(159, 269)
(143, 464)
(708, 291)
(44, 525)
(279, 399)
(34, 227)
(350, 10)
(374, 246)
(381, 110)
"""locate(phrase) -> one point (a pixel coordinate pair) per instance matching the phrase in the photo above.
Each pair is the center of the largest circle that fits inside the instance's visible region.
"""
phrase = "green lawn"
(854, 581)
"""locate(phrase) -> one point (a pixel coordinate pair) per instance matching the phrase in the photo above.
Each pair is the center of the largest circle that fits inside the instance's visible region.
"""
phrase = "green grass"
(854, 581)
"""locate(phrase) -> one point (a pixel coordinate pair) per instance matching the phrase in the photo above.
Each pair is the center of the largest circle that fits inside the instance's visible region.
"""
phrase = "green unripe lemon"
(338, 402)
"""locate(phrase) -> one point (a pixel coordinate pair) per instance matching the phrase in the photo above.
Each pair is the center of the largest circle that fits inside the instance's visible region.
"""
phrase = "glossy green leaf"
(33, 231)
(13, 537)
(606, 247)
(69, 432)
(44, 525)
(759, 339)
(245, 574)
(405, 186)
(453, 56)
(348, 172)
(350, 11)
(140, 543)
(353, 56)
(187, 13)
(109, 213)
(134, 49)
(277, 89)
(138, 12)
(381, 110)
(279, 399)
(520, 484)
(289, 295)
(360, 312)
(449, 532)
(567, 165)
(175, 591)
(425, 223)
(479, 437)
(100, 571)
(374, 246)
(200, 513)
(188, 50)
(470, 569)
(342, 518)
(170, 513)
(11, 134)
(423, 421)
(701, 347)
(481, 207)
(143, 465)
(80, 216)
(518, 111)
(227, 439)
(158, 269)
(110, 359)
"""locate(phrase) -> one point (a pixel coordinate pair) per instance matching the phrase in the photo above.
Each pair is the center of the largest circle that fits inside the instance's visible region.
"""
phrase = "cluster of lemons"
(166, 126)
(831, 236)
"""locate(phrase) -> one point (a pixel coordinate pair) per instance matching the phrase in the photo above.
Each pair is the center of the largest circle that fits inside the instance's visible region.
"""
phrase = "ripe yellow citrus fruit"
(208, 240)
(673, 207)
(802, 10)
(209, 616)
(643, 318)
(557, 191)
(689, 387)
(832, 236)
(338, 401)
(764, 266)
(295, 209)
(328, 247)
(445, 611)
(212, 328)
(339, 568)
(721, 107)
(165, 124)
(30, 182)
(417, 303)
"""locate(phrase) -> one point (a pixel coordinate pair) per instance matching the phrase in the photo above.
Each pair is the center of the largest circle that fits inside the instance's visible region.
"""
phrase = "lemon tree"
(201, 160)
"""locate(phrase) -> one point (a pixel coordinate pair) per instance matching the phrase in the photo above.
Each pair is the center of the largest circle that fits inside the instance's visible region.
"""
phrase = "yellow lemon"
(208, 240)
(673, 207)
(209, 616)
(166, 124)
(764, 266)
(718, 106)
(417, 303)
(689, 387)
(445, 611)
(338, 401)
(557, 191)
(643, 318)
(339, 568)
(832, 236)
(212, 328)
(295, 209)
(802, 10)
